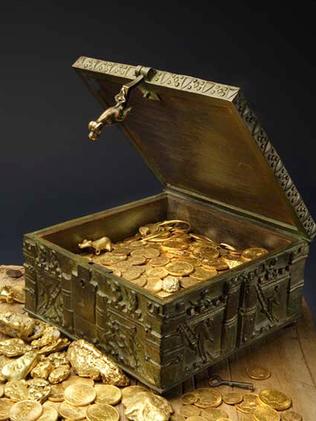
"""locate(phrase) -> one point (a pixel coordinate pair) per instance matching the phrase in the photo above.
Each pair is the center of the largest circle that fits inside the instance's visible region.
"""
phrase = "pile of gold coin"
(166, 257)
(207, 404)
(45, 377)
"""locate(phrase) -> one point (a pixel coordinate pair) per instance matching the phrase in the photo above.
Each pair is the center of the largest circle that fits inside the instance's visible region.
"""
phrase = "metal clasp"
(118, 112)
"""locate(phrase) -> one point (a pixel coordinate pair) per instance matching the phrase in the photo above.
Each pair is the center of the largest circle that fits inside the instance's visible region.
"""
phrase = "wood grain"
(290, 356)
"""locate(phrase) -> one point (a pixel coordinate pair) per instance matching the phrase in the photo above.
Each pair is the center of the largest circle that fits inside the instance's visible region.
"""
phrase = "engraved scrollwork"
(274, 161)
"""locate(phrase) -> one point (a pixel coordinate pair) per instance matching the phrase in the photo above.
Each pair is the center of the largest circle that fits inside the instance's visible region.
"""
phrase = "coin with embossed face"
(157, 272)
(265, 413)
(108, 394)
(179, 268)
(276, 399)
(102, 412)
(134, 272)
(258, 373)
(79, 394)
(49, 414)
(70, 412)
(253, 253)
(26, 411)
(291, 416)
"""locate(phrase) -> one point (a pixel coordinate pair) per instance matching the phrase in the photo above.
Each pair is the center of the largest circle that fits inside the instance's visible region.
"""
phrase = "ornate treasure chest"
(225, 268)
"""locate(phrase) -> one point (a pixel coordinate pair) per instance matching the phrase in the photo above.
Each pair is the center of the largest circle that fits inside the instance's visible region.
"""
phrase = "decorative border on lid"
(160, 78)
(274, 161)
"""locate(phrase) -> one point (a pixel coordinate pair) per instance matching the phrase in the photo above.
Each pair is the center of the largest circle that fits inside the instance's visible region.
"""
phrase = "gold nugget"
(16, 325)
(146, 406)
(88, 361)
(18, 369)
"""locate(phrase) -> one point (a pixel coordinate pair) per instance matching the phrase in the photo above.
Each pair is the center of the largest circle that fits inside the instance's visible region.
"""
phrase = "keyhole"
(82, 283)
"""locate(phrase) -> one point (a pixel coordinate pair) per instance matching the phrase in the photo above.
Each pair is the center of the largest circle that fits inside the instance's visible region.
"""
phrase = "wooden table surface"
(290, 356)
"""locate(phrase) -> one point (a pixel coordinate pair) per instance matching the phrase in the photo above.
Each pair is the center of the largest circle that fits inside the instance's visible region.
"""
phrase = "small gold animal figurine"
(101, 244)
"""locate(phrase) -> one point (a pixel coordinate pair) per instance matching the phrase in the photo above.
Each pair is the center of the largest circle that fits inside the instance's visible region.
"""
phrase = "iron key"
(215, 381)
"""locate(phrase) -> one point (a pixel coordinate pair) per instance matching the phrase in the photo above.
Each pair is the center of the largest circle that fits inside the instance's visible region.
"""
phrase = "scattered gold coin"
(291, 416)
(102, 412)
(49, 414)
(108, 394)
(189, 411)
(5, 407)
(189, 398)
(258, 373)
(214, 414)
(26, 411)
(208, 398)
(70, 412)
(265, 413)
(232, 398)
(275, 399)
(79, 394)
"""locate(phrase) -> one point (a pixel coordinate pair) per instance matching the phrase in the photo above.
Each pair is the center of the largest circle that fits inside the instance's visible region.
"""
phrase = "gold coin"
(5, 406)
(77, 379)
(258, 373)
(208, 398)
(219, 264)
(188, 398)
(189, 411)
(179, 268)
(188, 282)
(291, 416)
(123, 251)
(214, 414)
(196, 418)
(231, 398)
(108, 394)
(160, 261)
(79, 394)
(122, 266)
(49, 414)
(265, 413)
(56, 393)
(154, 284)
(130, 391)
(134, 272)
(170, 284)
(157, 272)
(151, 253)
(136, 260)
(251, 398)
(202, 274)
(277, 400)
(207, 252)
(246, 407)
(101, 412)
(253, 253)
(16, 390)
(70, 412)
(163, 294)
(26, 411)
(141, 281)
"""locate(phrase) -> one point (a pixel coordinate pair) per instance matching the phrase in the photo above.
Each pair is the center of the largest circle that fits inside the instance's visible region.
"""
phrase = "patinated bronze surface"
(221, 174)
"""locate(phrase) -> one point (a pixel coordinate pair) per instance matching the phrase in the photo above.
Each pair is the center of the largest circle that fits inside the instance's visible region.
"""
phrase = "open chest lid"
(201, 138)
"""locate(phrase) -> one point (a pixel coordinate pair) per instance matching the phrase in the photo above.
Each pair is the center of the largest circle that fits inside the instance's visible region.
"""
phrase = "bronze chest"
(220, 172)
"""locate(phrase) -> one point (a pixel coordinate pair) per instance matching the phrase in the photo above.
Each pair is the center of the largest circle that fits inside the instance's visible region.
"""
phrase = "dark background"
(49, 172)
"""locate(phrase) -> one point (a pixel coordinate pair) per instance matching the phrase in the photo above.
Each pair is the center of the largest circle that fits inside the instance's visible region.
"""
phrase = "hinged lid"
(202, 138)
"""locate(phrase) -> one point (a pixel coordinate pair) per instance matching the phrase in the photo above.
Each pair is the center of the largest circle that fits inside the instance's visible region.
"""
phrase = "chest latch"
(118, 112)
